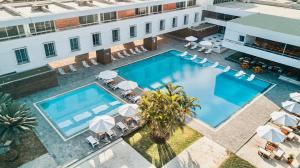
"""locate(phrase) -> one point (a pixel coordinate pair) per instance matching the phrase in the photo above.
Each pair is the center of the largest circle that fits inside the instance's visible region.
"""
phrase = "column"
(103, 56)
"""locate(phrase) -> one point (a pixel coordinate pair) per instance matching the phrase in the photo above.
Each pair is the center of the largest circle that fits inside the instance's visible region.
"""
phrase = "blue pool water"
(220, 94)
(71, 112)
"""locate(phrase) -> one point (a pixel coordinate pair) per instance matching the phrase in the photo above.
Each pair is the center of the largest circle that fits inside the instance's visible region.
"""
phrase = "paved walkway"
(119, 155)
(203, 153)
(44, 161)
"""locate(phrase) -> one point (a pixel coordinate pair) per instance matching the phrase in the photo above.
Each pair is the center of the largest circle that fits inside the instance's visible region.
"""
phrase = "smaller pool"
(69, 113)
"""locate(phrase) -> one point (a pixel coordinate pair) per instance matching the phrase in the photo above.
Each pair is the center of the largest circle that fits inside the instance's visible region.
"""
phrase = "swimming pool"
(220, 93)
(69, 113)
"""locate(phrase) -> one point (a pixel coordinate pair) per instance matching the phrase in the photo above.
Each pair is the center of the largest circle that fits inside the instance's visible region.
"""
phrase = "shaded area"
(160, 154)
(236, 162)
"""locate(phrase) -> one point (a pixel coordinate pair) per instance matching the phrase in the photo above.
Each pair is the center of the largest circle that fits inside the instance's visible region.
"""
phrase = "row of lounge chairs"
(241, 73)
(72, 67)
(194, 46)
(133, 51)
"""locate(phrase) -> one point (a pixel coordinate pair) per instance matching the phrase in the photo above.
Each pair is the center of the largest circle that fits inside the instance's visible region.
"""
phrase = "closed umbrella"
(101, 124)
(283, 118)
(270, 134)
(295, 96)
(291, 106)
(127, 85)
(191, 38)
(107, 74)
(128, 110)
(206, 44)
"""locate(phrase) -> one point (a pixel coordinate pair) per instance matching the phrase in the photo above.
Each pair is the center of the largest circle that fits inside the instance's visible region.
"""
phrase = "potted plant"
(290, 159)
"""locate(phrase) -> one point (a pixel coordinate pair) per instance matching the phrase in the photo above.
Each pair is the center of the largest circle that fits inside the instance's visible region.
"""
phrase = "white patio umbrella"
(291, 106)
(270, 134)
(128, 110)
(107, 74)
(101, 124)
(191, 38)
(295, 96)
(206, 44)
(283, 118)
(127, 85)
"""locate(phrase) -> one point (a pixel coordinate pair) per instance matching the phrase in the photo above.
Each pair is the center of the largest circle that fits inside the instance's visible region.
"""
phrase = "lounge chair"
(122, 126)
(133, 52)
(137, 50)
(215, 65)
(113, 85)
(126, 93)
(61, 71)
(194, 47)
(251, 77)
(85, 64)
(126, 53)
(208, 51)
(201, 49)
(111, 134)
(93, 141)
(203, 61)
(113, 58)
(240, 73)
(264, 153)
(144, 49)
(295, 96)
(120, 55)
(194, 57)
(187, 45)
(183, 54)
(227, 69)
(135, 99)
(108, 81)
(72, 68)
(94, 62)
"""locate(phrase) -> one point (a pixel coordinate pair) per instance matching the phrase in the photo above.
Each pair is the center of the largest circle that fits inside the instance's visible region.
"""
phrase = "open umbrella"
(128, 110)
(191, 38)
(270, 134)
(283, 118)
(107, 74)
(206, 44)
(295, 96)
(127, 85)
(101, 124)
(291, 106)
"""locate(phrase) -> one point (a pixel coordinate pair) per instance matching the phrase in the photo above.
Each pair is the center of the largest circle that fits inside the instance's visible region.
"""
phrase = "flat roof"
(265, 9)
(270, 22)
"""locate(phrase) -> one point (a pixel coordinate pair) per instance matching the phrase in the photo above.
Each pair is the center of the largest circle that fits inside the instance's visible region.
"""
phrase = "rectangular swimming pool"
(69, 113)
(220, 93)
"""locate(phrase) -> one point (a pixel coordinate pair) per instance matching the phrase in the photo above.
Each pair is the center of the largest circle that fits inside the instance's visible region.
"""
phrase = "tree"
(5, 98)
(165, 110)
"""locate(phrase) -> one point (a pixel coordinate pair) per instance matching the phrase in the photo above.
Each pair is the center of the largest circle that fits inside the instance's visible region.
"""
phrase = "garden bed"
(236, 162)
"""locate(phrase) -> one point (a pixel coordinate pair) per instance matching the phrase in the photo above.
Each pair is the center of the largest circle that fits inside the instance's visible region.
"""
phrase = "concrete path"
(120, 155)
(202, 153)
(44, 161)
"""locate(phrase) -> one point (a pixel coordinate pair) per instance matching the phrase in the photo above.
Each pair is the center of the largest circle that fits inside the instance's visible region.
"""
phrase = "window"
(191, 3)
(241, 38)
(180, 5)
(108, 17)
(162, 25)
(132, 31)
(156, 9)
(88, 20)
(141, 11)
(49, 49)
(148, 28)
(186, 20)
(11, 32)
(96, 39)
(74, 44)
(22, 56)
(41, 27)
(115, 35)
(174, 22)
(196, 18)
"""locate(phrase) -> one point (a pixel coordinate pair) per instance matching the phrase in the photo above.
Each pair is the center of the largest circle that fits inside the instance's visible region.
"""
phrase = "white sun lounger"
(113, 58)
(85, 64)
(120, 55)
(126, 53)
(215, 64)
(295, 96)
(94, 62)
(100, 108)
(72, 68)
(251, 77)
(183, 54)
(133, 52)
(227, 69)
(194, 47)
(122, 126)
(203, 61)
(93, 141)
(208, 51)
(144, 49)
(239, 73)
(61, 71)
(187, 45)
(138, 50)
(194, 57)
(201, 49)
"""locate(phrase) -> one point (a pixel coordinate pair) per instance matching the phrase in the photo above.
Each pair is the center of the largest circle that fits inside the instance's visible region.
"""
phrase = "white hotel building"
(32, 34)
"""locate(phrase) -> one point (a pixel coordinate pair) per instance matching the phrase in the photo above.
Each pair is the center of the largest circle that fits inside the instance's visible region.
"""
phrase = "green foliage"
(165, 110)
(235, 162)
(5, 98)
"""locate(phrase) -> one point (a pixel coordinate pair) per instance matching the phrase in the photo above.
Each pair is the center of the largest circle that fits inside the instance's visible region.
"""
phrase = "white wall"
(36, 52)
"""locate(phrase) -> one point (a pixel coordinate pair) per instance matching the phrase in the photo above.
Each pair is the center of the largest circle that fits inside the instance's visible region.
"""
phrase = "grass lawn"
(161, 154)
(236, 162)
(29, 149)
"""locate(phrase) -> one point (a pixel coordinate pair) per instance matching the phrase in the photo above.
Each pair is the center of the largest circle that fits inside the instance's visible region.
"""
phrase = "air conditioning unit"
(39, 7)
(85, 2)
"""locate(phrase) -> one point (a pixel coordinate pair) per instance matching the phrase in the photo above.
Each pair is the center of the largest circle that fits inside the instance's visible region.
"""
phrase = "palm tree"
(5, 98)
(165, 111)
(15, 119)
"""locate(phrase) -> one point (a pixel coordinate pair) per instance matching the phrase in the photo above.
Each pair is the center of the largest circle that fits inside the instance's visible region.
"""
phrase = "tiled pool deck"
(232, 135)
